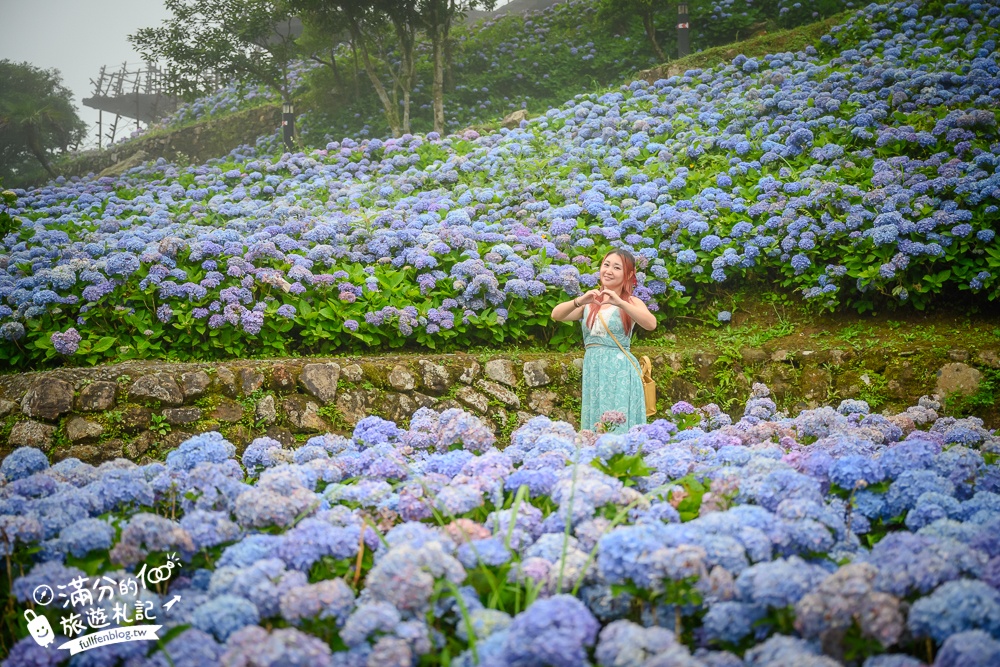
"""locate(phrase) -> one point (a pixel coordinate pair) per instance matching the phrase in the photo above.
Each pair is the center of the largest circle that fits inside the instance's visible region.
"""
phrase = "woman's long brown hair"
(628, 267)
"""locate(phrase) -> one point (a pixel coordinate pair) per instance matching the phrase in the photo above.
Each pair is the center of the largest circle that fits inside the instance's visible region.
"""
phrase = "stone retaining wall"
(196, 143)
(140, 410)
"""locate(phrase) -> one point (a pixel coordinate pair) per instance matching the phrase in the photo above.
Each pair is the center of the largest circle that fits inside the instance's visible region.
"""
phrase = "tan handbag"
(645, 373)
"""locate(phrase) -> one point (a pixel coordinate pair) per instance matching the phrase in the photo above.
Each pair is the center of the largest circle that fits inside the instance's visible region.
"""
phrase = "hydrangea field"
(504, 63)
(860, 173)
(833, 537)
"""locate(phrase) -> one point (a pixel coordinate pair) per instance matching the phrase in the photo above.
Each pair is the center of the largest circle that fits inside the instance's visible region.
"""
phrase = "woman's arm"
(568, 311)
(639, 313)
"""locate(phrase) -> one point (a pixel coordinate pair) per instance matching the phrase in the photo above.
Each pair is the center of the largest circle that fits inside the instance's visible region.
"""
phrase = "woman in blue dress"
(610, 380)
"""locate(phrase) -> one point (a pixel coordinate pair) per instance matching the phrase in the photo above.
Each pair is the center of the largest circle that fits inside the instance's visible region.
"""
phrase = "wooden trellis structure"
(137, 92)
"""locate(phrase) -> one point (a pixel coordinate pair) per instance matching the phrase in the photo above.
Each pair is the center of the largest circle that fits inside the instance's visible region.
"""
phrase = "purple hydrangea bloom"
(972, 648)
(210, 447)
(375, 430)
(82, 537)
(956, 606)
(22, 462)
(556, 631)
(223, 615)
(192, 648)
(329, 598)
(281, 647)
(66, 343)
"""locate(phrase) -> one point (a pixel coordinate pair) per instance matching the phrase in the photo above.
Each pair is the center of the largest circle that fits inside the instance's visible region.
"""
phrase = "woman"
(610, 380)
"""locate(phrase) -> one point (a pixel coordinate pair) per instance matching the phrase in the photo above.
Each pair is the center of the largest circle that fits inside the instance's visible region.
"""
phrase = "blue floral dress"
(610, 381)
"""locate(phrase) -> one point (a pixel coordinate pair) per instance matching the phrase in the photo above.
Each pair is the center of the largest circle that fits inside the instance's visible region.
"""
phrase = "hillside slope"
(860, 173)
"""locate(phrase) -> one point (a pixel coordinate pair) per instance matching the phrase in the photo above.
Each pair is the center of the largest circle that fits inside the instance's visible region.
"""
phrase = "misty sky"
(76, 37)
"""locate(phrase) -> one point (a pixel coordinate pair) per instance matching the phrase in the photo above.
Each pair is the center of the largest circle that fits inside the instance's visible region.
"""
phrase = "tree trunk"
(357, 70)
(39, 154)
(438, 88)
(449, 73)
(337, 76)
(647, 22)
(407, 69)
(391, 112)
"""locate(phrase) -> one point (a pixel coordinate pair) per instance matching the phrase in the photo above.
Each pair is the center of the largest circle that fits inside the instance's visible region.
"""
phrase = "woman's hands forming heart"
(612, 297)
(593, 296)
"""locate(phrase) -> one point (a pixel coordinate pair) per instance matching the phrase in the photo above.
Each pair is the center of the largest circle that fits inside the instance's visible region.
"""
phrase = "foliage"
(37, 119)
(248, 41)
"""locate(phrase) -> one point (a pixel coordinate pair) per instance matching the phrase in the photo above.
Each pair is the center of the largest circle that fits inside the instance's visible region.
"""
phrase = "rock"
(501, 370)
(78, 428)
(752, 356)
(470, 373)
(957, 378)
(449, 404)
(283, 378)
(988, 358)
(135, 419)
(48, 399)
(473, 399)
(523, 418)
(674, 359)
(958, 355)
(543, 402)
(117, 169)
(578, 364)
(423, 400)
(281, 434)
(434, 376)
(226, 380)
(265, 410)
(398, 408)
(239, 435)
(678, 389)
(31, 434)
(499, 417)
(534, 373)
(6, 407)
(502, 394)
(303, 414)
(96, 396)
(354, 405)
(140, 445)
(704, 361)
(181, 416)
(780, 355)
(95, 454)
(353, 373)
(250, 380)
(194, 384)
(514, 118)
(156, 387)
(320, 380)
(401, 379)
(174, 439)
(815, 385)
(227, 410)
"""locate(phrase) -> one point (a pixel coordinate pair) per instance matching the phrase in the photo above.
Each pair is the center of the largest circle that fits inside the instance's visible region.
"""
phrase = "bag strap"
(608, 329)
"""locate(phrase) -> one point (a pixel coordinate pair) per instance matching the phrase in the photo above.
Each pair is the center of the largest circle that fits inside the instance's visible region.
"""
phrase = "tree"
(617, 10)
(376, 29)
(37, 118)
(437, 17)
(249, 41)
